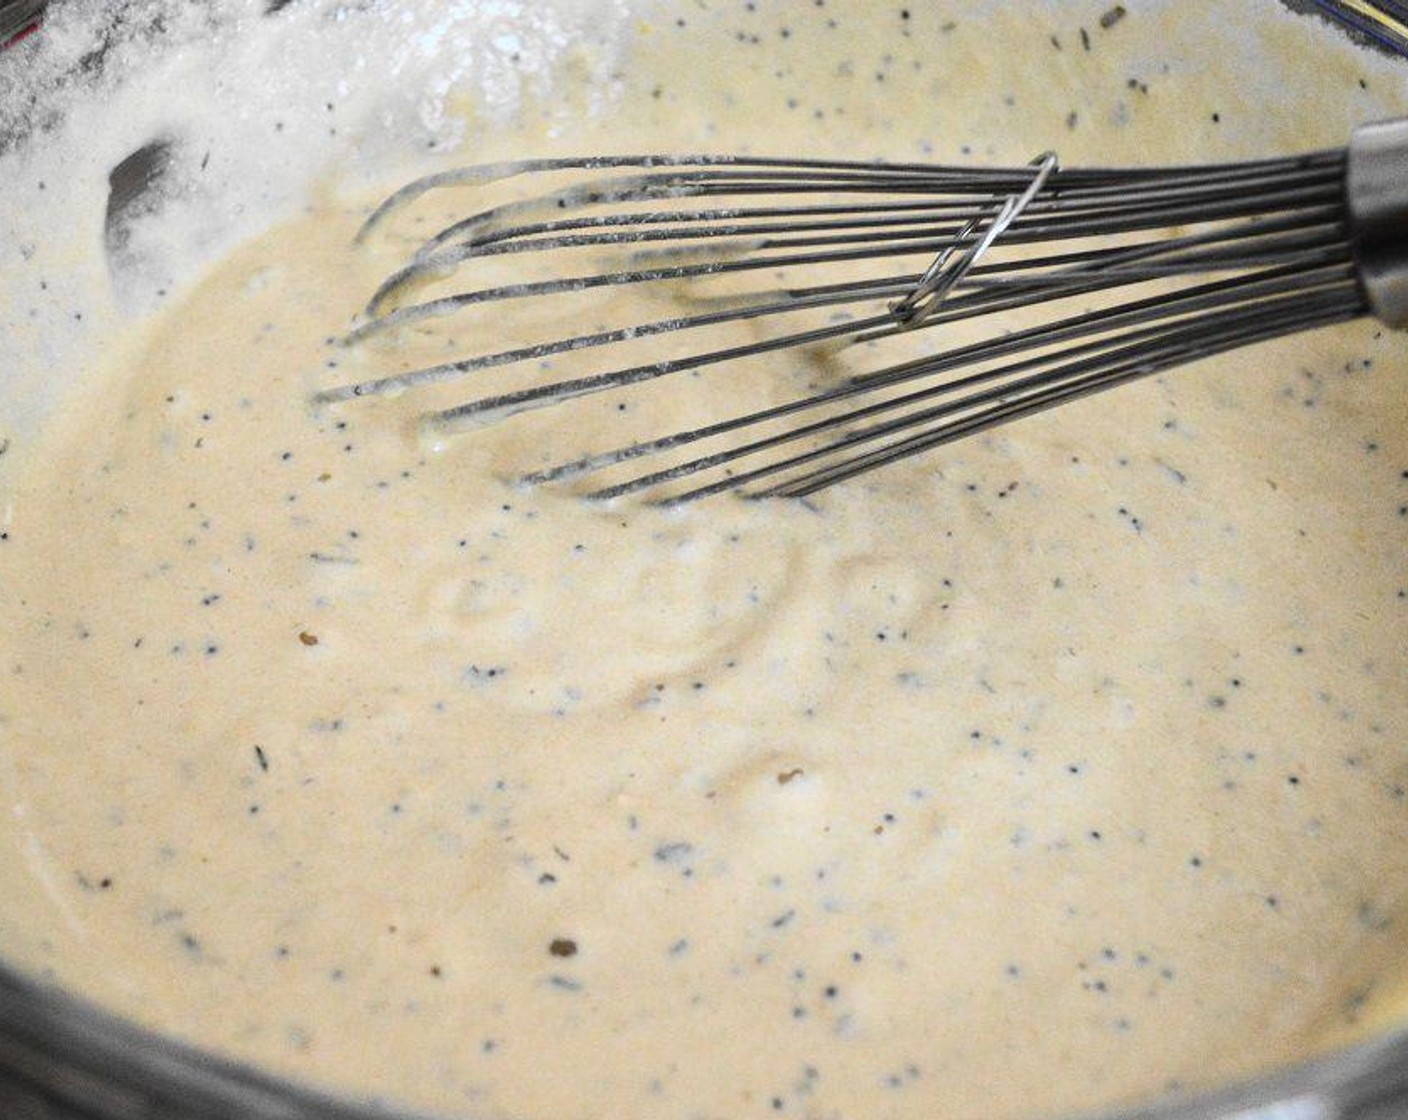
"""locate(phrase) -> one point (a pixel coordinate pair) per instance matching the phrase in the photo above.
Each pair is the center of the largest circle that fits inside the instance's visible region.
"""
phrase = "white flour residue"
(251, 109)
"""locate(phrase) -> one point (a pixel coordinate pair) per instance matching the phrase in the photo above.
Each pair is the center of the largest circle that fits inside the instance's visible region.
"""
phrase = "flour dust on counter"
(1060, 769)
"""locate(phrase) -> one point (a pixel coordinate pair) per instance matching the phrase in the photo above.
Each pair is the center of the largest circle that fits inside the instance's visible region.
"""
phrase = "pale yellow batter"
(1058, 769)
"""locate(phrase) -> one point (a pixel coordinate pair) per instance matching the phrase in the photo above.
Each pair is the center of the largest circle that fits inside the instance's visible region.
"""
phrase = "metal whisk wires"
(957, 298)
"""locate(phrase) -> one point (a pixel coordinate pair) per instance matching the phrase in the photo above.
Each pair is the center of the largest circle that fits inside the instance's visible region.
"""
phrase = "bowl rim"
(64, 1056)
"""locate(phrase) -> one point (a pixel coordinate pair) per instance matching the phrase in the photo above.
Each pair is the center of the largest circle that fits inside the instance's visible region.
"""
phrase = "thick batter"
(1057, 769)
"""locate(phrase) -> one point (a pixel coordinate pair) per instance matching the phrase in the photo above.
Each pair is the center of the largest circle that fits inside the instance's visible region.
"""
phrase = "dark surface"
(1372, 25)
(131, 194)
(16, 15)
(62, 1059)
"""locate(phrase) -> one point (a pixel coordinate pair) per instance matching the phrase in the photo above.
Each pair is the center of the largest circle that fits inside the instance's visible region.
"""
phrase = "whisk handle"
(1376, 190)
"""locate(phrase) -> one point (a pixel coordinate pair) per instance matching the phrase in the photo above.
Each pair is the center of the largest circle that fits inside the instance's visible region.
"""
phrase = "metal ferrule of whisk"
(958, 298)
(1376, 191)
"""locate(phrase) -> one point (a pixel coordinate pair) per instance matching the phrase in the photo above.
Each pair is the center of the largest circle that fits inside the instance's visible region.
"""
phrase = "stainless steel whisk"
(1088, 279)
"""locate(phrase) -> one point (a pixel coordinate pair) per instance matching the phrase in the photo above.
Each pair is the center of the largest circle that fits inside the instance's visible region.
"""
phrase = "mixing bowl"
(61, 1056)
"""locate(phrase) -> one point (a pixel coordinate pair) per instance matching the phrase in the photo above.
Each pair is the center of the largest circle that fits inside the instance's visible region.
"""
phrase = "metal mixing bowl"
(61, 1057)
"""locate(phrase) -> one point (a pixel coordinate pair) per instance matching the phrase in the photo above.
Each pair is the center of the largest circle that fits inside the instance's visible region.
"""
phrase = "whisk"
(1008, 290)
